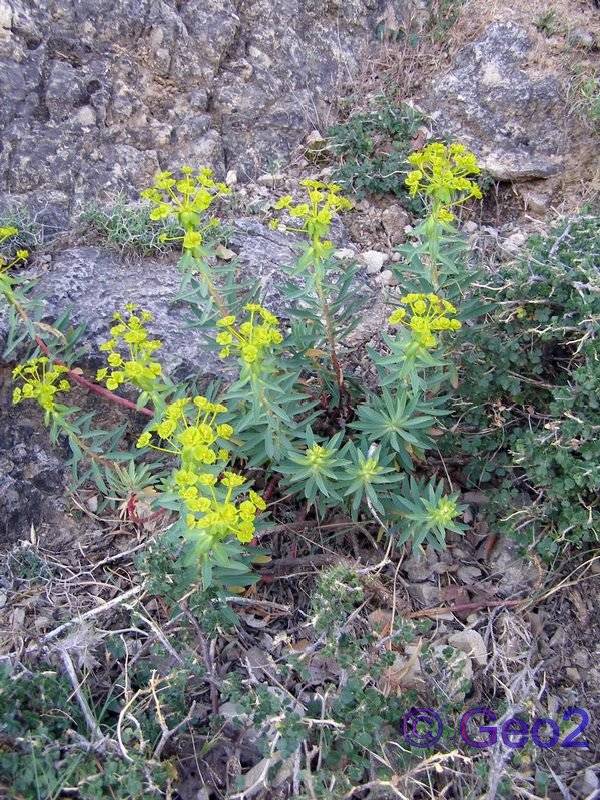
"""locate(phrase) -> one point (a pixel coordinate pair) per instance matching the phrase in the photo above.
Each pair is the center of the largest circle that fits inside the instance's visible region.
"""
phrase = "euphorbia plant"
(334, 443)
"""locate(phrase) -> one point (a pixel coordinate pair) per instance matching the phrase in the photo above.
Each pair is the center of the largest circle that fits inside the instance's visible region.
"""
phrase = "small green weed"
(587, 102)
(548, 23)
(45, 751)
(372, 149)
(127, 227)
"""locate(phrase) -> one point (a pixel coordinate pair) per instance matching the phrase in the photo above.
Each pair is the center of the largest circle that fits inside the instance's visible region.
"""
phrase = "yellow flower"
(192, 239)
(428, 313)
(140, 369)
(442, 175)
(225, 322)
(249, 353)
(224, 338)
(225, 431)
(166, 428)
(206, 479)
(397, 316)
(245, 532)
(144, 440)
(40, 381)
(247, 510)
(445, 216)
(186, 477)
(231, 479)
(257, 500)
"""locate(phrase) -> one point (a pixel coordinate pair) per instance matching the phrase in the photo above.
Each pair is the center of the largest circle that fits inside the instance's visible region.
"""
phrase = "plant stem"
(434, 246)
(85, 383)
(216, 296)
(330, 334)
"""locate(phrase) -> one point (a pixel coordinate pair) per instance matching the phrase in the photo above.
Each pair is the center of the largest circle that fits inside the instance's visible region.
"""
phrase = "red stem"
(95, 388)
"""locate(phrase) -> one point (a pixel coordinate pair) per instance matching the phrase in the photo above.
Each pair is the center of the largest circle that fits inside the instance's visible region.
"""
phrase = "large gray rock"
(512, 118)
(91, 283)
(98, 94)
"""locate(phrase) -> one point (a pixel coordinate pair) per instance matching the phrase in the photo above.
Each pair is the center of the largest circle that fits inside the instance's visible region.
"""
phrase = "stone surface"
(33, 478)
(395, 219)
(471, 643)
(513, 118)
(98, 94)
(373, 260)
(93, 282)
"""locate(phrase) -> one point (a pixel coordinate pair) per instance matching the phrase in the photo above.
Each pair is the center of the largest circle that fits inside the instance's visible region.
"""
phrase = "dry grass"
(405, 73)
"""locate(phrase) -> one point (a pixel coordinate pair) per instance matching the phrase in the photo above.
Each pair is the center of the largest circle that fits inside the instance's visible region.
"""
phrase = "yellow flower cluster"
(41, 381)
(186, 198)
(442, 174)
(6, 263)
(423, 314)
(138, 368)
(189, 430)
(7, 232)
(315, 215)
(253, 338)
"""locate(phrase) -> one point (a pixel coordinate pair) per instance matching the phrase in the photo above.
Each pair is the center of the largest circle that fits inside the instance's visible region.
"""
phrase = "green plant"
(45, 749)
(529, 397)
(586, 96)
(291, 384)
(127, 227)
(548, 23)
(372, 149)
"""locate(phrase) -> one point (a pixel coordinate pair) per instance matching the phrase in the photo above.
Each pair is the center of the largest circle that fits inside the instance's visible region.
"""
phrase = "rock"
(425, 594)
(514, 242)
(573, 674)
(5, 20)
(33, 476)
(93, 282)
(373, 260)
(231, 178)
(417, 568)
(270, 179)
(96, 94)
(404, 673)
(86, 117)
(345, 254)
(536, 201)
(581, 658)
(591, 783)
(516, 574)
(470, 227)
(454, 671)
(387, 278)
(491, 102)
(394, 220)
(586, 40)
(471, 643)
(224, 253)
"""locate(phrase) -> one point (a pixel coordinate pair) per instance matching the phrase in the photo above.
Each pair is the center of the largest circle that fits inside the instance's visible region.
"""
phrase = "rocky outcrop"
(93, 282)
(98, 94)
(491, 101)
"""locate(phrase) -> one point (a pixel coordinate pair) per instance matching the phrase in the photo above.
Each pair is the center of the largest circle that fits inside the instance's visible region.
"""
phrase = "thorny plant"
(287, 413)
